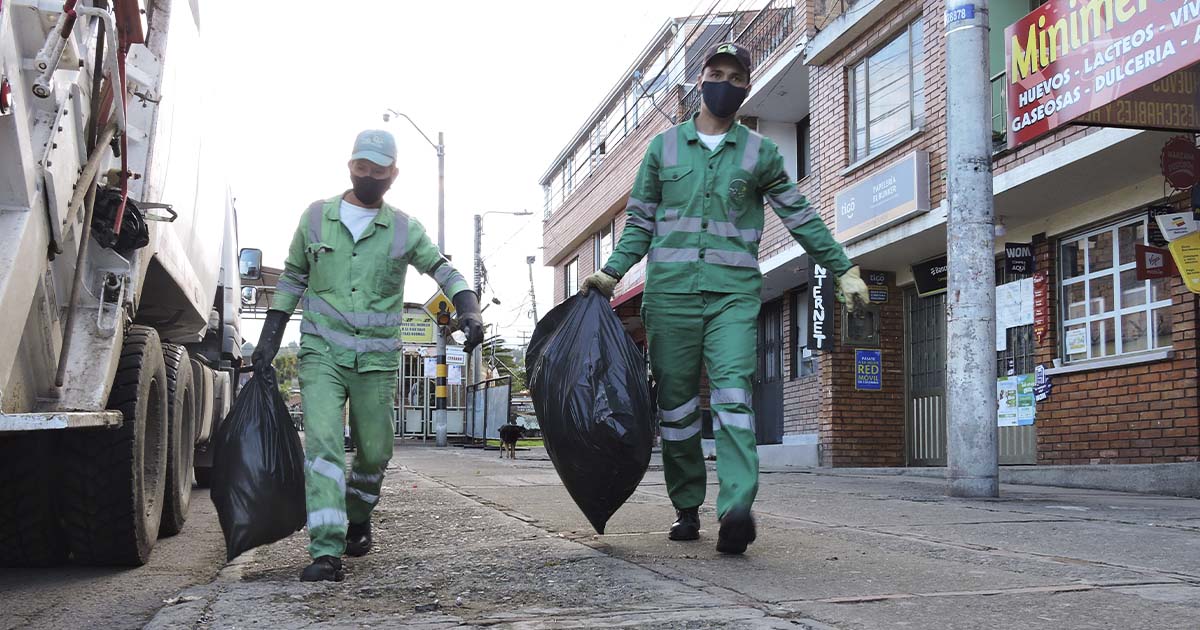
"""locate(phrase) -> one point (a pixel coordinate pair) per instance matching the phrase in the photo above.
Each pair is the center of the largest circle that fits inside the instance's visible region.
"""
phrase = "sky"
(509, 83)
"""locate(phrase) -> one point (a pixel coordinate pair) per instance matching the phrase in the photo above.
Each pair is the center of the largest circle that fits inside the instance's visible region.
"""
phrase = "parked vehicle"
(119, 278)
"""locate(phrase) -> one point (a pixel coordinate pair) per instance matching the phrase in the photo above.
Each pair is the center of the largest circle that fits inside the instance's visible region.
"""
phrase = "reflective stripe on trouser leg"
(372, 399)
(730, 342)
(674, 330)
(323, 391)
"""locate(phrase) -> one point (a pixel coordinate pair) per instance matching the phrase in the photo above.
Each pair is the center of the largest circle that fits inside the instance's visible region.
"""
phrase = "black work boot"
(737, 531)
(686, 525)
(324, 569)
(358, 539)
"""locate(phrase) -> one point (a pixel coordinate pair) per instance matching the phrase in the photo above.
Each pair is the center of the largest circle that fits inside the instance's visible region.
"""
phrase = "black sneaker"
(324, 569)
(358, 539)
(686, 525)
(737, 531)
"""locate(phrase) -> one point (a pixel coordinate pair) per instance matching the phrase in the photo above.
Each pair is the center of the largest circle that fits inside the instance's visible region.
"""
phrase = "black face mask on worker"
(370, 190)
(724, 98)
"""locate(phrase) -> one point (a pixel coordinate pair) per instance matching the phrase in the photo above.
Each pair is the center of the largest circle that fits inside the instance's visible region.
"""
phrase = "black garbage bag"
(258, 469)
(589, 387)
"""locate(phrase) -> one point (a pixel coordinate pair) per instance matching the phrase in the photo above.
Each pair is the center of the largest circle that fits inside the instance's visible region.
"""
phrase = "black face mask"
(723, 99)
(370, 190)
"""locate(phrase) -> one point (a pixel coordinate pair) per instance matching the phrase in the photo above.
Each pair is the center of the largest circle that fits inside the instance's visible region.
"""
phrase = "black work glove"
(470, 320)
(269, 340)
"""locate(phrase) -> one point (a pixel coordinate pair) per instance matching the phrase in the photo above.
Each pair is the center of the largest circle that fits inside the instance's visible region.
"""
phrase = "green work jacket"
(697, 215)
(352, 292)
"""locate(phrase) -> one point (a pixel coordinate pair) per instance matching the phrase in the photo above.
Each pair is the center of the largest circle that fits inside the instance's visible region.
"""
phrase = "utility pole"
(477, 357)
(532, 294)
(439, 413)
(971, 449)
(439, 416)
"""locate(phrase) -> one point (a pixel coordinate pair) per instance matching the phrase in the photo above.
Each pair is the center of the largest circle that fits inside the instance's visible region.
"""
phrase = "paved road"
(469, 541)
(83, 597)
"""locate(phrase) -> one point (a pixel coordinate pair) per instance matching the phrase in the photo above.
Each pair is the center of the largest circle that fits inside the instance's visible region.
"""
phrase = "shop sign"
(877, 286)
(895, 194)
(1018, 258)
(868, 370)
(1153, 263)
(1041, 306)
(1186, 252)
(1180, 161)
(417, 328)
(931, 276)
(1168, 104)
(820, 308)
(1015, 398)
(1068, 58)
(1176, 225)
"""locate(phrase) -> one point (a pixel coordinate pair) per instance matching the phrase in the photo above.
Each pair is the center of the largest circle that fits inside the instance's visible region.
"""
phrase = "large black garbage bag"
(590, 390)
(258, 469)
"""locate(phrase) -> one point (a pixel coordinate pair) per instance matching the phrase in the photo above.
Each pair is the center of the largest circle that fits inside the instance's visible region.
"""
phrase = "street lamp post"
(439, 414)
(477, 357)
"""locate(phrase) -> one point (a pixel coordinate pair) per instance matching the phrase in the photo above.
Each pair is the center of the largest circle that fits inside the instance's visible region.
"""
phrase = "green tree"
(287, 369)
(502, 358)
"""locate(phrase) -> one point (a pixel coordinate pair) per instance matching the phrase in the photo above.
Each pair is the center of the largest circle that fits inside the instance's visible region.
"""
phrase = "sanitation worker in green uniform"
(696, 213)
(346, 267)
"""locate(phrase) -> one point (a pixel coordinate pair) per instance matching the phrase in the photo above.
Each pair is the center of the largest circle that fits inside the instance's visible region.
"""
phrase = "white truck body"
(182, 287)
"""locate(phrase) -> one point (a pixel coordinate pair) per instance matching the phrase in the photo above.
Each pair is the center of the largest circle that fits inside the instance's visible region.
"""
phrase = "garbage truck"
(119, 278)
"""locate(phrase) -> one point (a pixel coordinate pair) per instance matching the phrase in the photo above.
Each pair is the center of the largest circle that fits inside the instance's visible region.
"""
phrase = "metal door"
(925, 391)
(1018, 445)
(768, 381)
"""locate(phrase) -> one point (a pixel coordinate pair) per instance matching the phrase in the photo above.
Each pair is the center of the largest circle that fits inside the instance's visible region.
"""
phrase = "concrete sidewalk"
(467, 540)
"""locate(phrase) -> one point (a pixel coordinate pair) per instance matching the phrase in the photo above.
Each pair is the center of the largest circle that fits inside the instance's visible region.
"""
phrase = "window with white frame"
(1105, 310)
(887, 94)
(571, 278)
(604, 244)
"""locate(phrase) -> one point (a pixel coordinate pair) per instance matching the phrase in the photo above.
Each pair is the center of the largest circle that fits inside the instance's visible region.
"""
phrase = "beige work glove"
(852, 290)
(601, 282)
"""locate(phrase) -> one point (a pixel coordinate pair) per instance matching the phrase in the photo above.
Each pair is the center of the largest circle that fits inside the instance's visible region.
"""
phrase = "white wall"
(784, 134)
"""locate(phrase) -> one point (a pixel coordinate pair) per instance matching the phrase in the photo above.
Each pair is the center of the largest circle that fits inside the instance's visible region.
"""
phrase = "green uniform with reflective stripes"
(697, 215)
(353, 298)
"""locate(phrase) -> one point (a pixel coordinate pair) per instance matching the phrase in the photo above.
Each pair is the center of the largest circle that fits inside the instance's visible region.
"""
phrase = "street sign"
(456, 356)
(440, 308)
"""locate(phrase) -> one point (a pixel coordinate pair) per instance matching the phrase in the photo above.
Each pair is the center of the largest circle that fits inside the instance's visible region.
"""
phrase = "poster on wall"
(1186, 252)
(1015, 401)
(1041, 306)
(868, 370)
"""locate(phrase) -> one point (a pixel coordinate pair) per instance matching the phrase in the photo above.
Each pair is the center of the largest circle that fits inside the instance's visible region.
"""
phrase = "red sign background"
(1082, 57)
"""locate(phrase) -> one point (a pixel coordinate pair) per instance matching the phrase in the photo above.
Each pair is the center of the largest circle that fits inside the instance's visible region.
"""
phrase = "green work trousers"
(333, 499)
(720, 329)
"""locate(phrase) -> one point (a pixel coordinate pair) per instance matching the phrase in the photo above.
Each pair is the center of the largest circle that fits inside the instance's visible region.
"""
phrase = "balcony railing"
(999, 112)
(762, 36)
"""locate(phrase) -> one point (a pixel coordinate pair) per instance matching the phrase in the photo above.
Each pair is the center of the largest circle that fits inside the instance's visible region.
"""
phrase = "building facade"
(854, 96)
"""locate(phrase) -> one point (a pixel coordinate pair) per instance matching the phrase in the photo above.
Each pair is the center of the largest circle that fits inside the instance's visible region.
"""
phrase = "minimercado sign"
(1070, 57)
(892, 195)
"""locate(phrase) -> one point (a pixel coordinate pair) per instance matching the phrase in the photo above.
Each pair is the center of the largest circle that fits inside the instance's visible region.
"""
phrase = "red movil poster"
(1070, 57)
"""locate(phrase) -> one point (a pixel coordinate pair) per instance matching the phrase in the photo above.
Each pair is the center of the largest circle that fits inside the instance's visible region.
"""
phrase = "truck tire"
(29, 532)
(181, 439)
(112, 482)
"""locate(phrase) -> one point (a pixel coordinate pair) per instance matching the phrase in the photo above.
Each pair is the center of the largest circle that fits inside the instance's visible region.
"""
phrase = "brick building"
(854, 96)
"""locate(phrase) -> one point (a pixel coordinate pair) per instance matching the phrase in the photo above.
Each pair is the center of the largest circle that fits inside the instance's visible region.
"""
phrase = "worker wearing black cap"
(696, 213)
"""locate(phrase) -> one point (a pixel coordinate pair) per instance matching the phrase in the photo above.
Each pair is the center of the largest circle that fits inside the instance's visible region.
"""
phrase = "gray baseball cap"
(376, 145)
